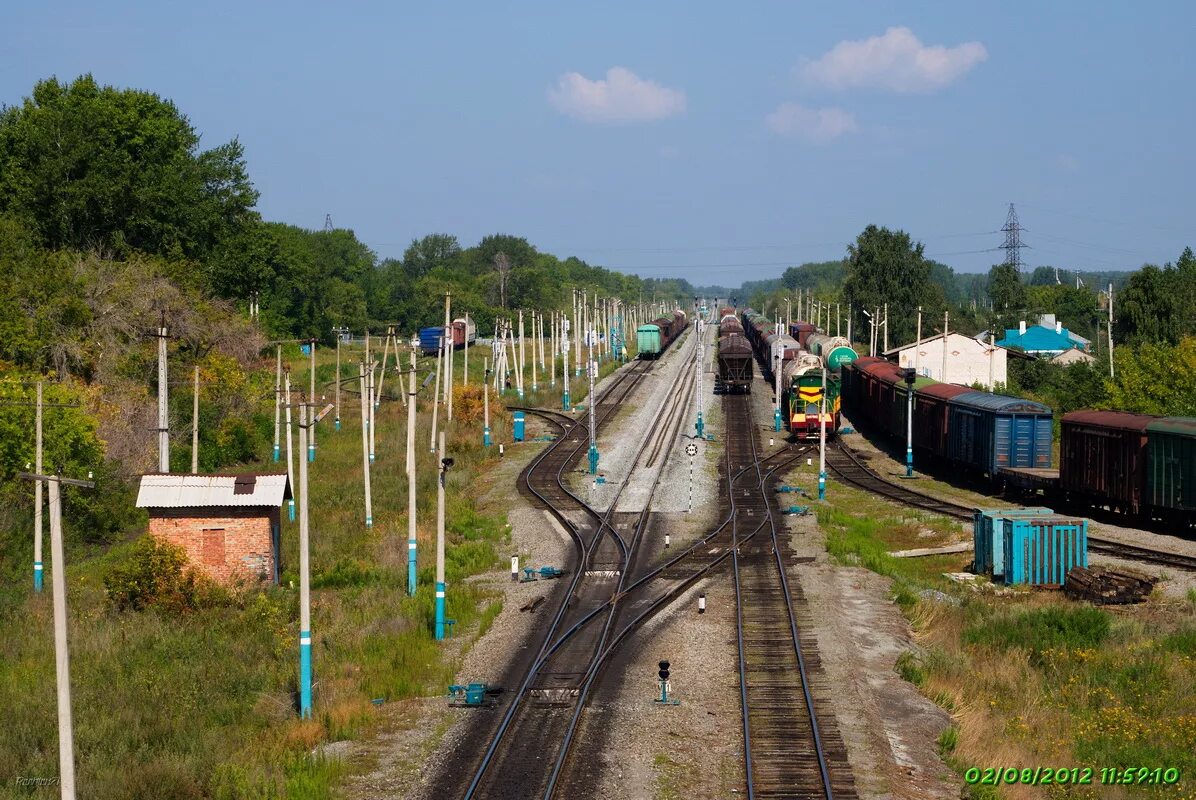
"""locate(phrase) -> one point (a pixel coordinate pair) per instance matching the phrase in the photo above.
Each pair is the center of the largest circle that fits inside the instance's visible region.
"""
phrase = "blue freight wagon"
(988, 432)
(430, 340)
(989, 528)
(1040, 551)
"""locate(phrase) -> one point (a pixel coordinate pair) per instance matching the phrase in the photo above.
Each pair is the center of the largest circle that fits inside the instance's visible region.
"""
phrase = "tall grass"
(203, 705)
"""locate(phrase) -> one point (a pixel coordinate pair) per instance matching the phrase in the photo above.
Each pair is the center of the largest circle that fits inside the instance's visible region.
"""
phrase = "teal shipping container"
(989, 527)
(518, 420)
(1039, 551)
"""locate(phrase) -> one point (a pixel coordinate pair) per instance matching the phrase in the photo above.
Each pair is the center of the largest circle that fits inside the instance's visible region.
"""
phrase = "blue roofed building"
(1047, 339)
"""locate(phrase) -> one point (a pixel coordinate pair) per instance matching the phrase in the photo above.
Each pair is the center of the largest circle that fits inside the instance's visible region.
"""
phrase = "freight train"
(803, 355)
(431, 338)
(654, 338)
(734, 374)
(1136, 464)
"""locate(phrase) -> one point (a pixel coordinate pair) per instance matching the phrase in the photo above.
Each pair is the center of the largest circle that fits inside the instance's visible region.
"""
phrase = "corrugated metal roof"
(944, 391)
(1119, 420)
(1000, 403)
(193, 491)
(1181, 426)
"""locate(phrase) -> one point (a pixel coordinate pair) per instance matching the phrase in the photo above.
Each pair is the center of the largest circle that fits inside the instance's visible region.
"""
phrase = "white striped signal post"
(691, 450)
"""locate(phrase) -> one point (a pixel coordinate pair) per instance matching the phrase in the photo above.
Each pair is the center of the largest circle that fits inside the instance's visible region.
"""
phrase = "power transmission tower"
(328, 221)
(1013, 240)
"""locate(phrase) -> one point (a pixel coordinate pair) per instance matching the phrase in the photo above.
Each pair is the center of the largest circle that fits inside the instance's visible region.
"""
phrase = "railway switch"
(472, 695)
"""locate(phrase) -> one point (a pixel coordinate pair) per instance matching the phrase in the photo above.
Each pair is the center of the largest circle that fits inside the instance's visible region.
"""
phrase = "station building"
(228, 525)
(969, 361)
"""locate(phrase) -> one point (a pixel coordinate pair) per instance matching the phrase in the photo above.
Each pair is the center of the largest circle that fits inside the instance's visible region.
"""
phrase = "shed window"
(212, 546)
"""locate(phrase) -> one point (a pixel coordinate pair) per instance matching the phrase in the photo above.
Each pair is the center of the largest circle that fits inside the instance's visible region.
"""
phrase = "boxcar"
(986, 432)
(931, 404)
(802, 331)
(1102, 458)
(431, 339)
(1171, 467)
(649, 341)
(734, 374)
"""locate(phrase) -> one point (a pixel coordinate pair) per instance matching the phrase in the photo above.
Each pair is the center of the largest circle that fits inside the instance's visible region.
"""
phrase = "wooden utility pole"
(195, 425)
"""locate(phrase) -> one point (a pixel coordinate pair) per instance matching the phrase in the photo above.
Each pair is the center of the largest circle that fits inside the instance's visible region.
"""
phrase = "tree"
(885, 266)
(1158, 305)
(1156, 379)
(502, 266)
(1008, 295)
(85, 166)
(434, 250)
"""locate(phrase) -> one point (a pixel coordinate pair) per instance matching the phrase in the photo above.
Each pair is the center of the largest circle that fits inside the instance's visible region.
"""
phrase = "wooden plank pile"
(1106, 586)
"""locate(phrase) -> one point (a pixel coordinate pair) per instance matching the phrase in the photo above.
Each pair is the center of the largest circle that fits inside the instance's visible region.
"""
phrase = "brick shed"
(228, 525)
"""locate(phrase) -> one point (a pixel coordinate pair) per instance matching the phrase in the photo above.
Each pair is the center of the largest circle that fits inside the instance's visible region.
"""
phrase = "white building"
(968, 361)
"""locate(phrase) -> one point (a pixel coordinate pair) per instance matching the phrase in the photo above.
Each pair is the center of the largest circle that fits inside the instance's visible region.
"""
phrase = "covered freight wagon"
(986, 432)
(1102, 458)
(734, 374)
(931, 418)
(1171, 468)
(802, 331)
(650, 340)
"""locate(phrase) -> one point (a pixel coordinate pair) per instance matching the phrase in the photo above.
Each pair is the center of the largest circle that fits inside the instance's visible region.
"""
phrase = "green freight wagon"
(1171, 468)
(648, 341)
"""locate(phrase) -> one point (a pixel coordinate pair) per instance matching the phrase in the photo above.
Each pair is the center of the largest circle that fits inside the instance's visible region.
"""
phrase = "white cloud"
(815, 124)
(622, 96)
(896, 61)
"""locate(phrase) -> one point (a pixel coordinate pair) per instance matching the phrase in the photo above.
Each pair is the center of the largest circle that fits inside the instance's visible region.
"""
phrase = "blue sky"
(722, 146)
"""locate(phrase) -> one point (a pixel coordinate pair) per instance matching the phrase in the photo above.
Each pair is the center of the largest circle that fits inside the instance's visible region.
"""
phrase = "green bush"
(156, 574)
(1041, 629)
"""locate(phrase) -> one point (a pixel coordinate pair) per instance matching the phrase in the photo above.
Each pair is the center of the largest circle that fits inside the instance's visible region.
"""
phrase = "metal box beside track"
(1040, 550)
(988, 536)
(989, 431)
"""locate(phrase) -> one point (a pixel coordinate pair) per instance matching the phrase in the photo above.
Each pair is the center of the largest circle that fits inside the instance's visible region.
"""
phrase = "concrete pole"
(917, 346)
(555, 345)
(337, 382)
(777, 356)
(365, 442)
(304, 576)
(886, 328)
(436, 398)
(909, 430)
(566, 379)
(1110, 326)
(849, 341)
(369, 408)
(946, 317)
(578, 302)
(699, 426)
(411, 544)
(290, 452)
(465, 357)
(37, 497)
(440, 541)
(311, 393)
(486, 404)
(540, 341)
(376, 395)
(163, 413)
(591, 368)
(992, 355)
(62, 662)
(277, 401)
(535, 377)
(522, 355)
(448, 360)
(822, 441)
(195, 425)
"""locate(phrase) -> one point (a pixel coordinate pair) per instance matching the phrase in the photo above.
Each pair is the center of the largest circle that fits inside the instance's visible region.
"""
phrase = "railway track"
(533, 731)
(792, 748)
(850, 469)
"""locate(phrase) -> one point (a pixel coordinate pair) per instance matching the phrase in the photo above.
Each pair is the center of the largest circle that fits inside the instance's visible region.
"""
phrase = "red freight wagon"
(1102, 457)
(931, 414)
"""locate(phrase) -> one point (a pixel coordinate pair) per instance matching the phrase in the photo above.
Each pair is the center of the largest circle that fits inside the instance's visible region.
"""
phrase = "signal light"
(664, 670)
